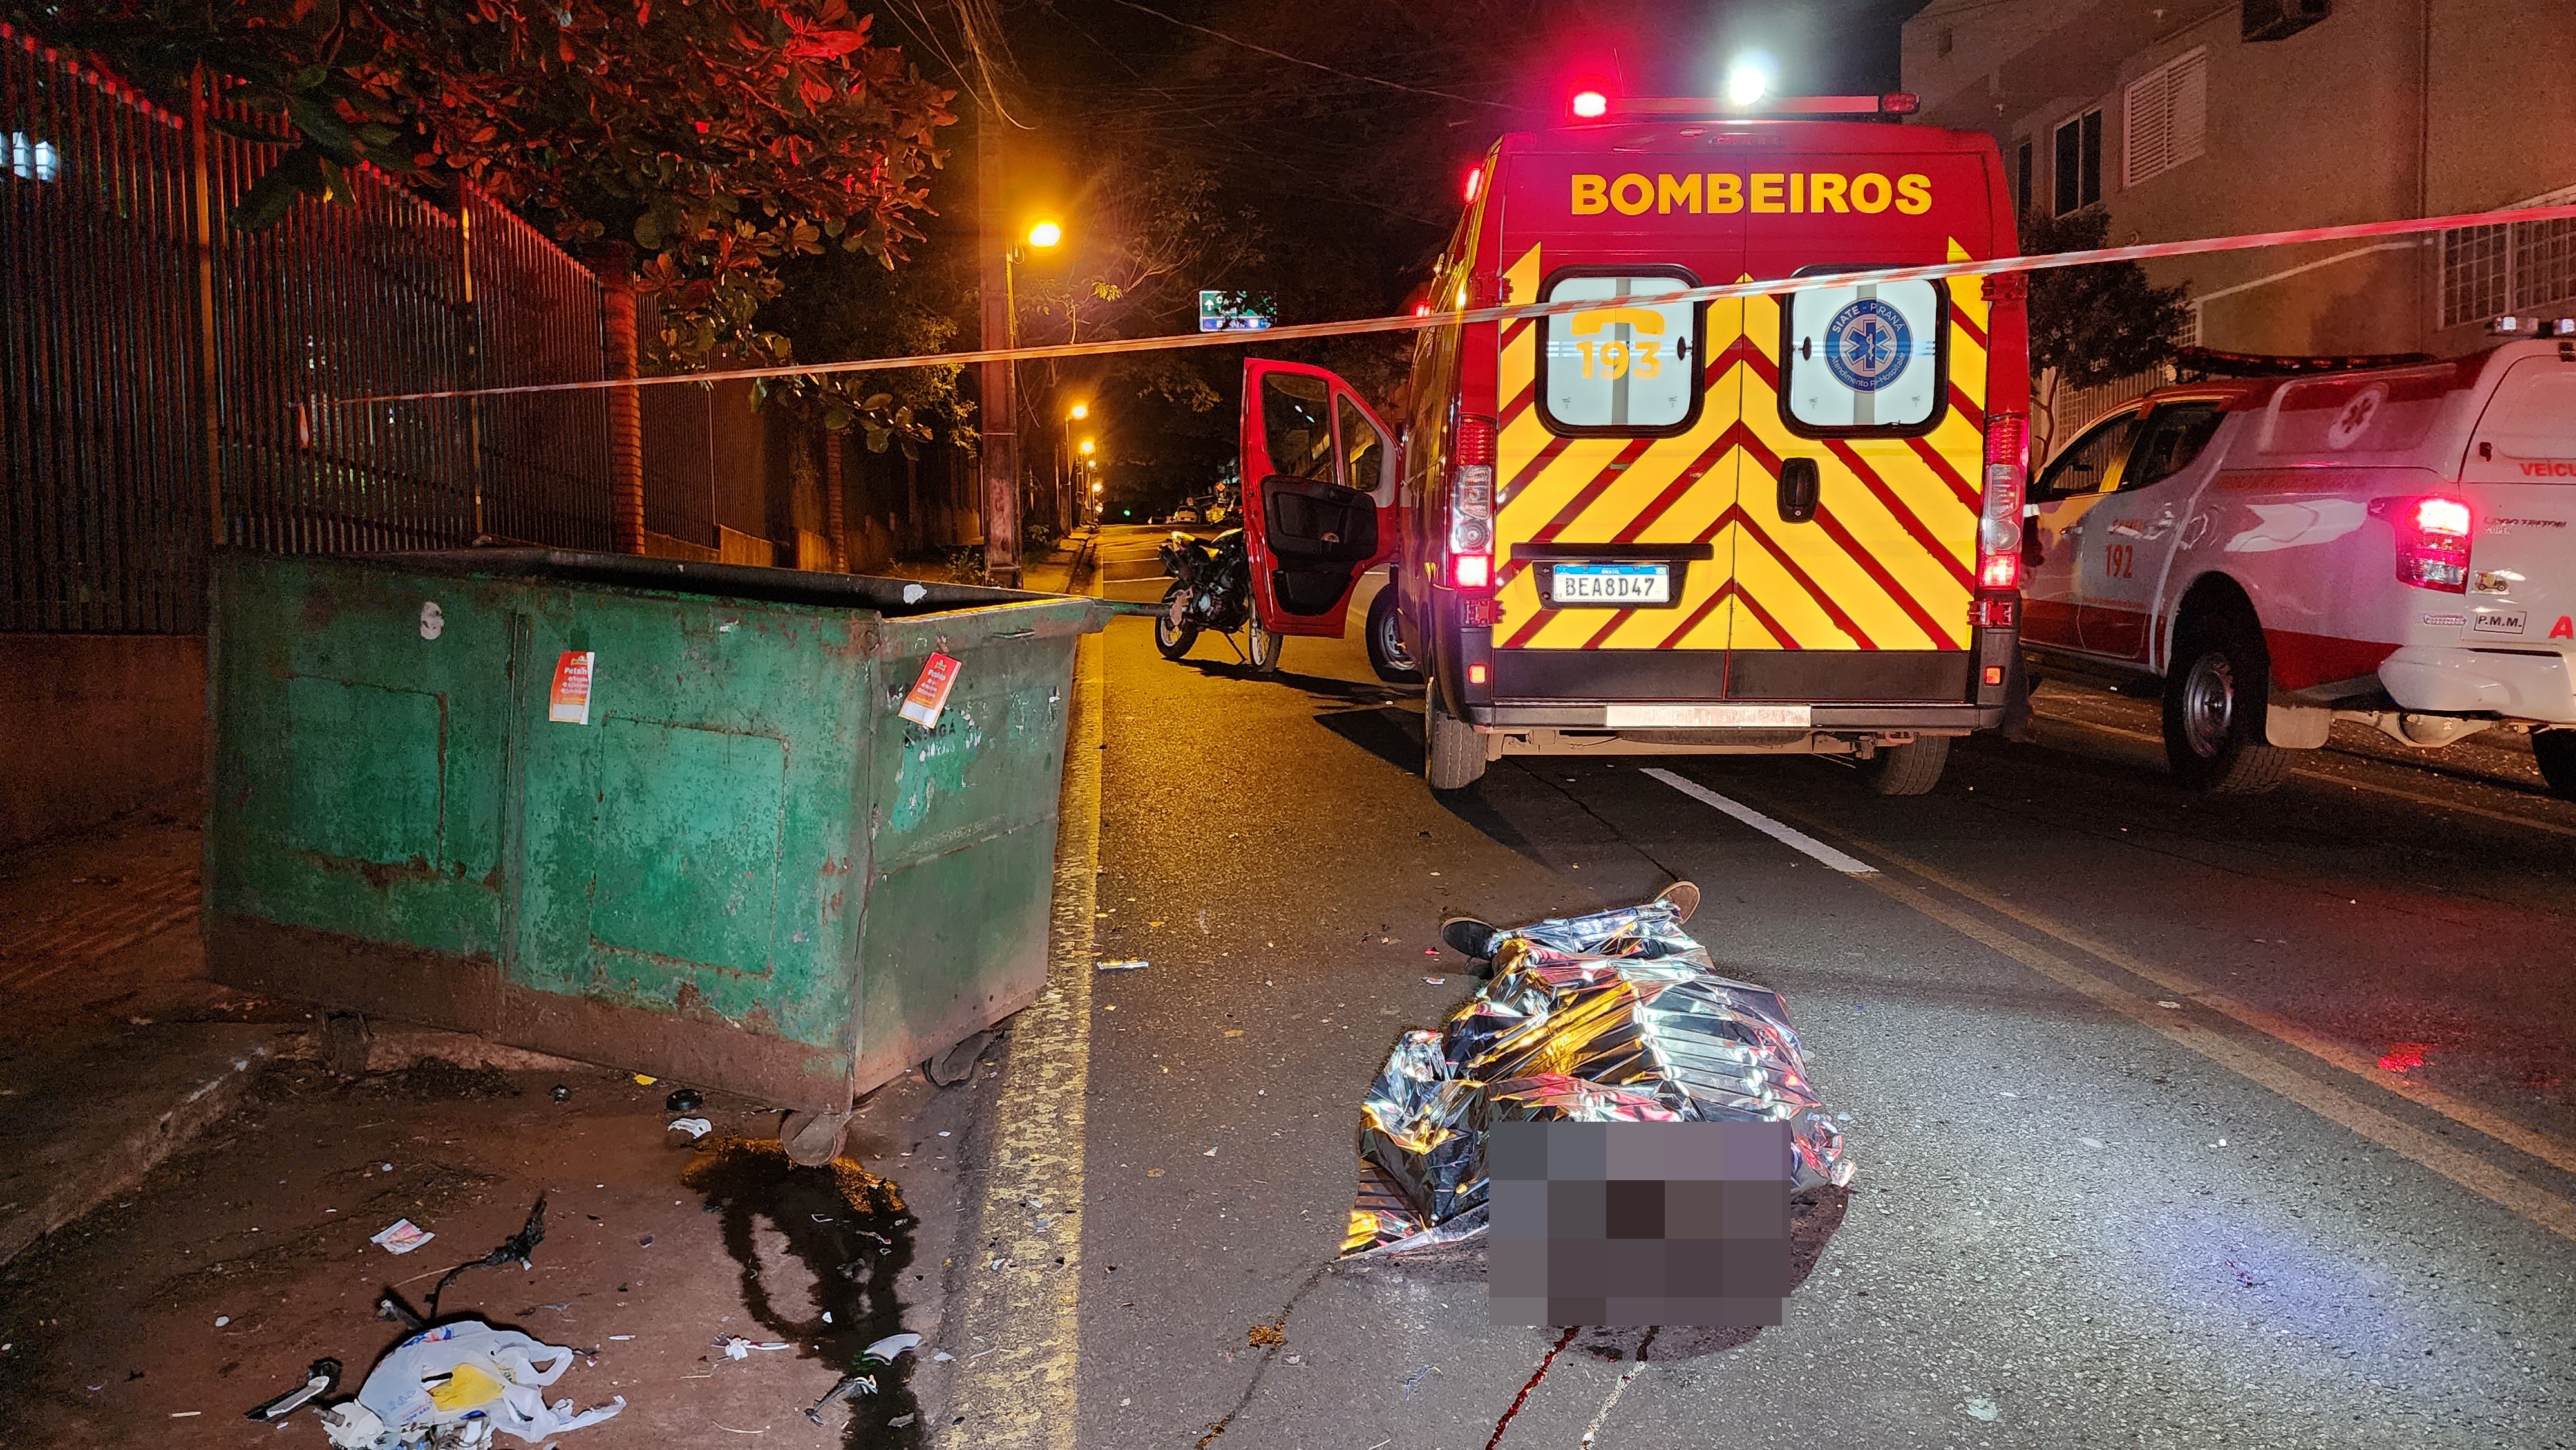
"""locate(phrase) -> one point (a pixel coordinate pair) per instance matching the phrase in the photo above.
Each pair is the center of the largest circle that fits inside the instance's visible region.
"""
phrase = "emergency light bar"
(1594, 105)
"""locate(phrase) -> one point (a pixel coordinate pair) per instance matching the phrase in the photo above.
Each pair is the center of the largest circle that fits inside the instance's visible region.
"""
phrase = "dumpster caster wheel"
(813, 1139)
(957, 1064)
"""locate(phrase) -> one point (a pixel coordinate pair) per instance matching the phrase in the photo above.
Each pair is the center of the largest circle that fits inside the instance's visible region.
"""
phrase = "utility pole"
(1001, 451)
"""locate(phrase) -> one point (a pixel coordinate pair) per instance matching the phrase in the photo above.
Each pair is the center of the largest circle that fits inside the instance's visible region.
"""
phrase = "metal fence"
(157, 369)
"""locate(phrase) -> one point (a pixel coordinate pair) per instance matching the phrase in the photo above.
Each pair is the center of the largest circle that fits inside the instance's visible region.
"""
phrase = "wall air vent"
(2281, 19)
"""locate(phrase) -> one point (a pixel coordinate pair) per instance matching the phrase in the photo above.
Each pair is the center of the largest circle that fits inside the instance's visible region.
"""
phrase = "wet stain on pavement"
(852, 1232)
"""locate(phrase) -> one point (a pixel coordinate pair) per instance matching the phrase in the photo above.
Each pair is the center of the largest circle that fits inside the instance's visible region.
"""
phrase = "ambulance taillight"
(1999, 522)
(1471, 507)
(2432, 540)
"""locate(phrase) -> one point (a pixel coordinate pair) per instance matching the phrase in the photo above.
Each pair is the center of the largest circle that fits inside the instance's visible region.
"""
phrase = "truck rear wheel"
(1911, 769)
(1453, 756)
(2555, 750)
(2215, 699)
(1385, 644)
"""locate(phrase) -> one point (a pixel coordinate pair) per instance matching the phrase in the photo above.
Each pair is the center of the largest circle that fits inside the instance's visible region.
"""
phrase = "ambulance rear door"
(1855, 546)
(1619, 424)
(1318, 494)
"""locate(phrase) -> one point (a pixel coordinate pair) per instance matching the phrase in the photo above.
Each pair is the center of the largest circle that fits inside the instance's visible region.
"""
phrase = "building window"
(2079, 162)
(2022, 179)
(2165, 115)
(31, 159)
(2488, 272)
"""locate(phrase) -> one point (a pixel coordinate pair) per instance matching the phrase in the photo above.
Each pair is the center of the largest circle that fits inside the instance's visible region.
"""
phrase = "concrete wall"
(92, 725)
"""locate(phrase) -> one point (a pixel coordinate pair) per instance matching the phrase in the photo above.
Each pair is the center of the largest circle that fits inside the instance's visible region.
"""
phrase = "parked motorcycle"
(1211, 589)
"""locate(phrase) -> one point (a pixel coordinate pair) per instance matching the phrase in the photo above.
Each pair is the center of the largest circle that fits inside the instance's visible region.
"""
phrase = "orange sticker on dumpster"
(570, 702)
(930, 692)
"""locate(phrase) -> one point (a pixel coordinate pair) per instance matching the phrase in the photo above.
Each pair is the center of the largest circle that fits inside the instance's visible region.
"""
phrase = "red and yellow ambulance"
(1787, 523)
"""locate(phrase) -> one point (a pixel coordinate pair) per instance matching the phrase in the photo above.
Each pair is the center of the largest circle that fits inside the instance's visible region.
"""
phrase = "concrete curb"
(119, 1160)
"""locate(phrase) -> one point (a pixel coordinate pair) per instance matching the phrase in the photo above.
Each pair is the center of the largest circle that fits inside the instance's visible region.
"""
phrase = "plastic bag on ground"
(458, 1374)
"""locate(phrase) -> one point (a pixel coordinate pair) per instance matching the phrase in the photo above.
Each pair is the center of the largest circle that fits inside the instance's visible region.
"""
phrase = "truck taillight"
(1999, 521)
(2432, 534)
(1471, 507)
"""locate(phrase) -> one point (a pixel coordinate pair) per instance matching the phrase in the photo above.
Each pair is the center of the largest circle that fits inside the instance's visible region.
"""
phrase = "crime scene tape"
(1504, 312)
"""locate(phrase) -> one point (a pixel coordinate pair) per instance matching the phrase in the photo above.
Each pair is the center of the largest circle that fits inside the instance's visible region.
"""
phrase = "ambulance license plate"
(1620, 584)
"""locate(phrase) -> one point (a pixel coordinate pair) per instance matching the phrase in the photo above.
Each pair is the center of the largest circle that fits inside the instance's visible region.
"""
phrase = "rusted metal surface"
(745, 867)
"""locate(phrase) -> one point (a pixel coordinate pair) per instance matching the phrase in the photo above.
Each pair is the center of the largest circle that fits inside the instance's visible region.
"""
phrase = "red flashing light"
(1475, 181)
(1591, 105)
(1471, 571)
(1999, 524)
(2007, 438)
(1422, 309)
(1899, 103)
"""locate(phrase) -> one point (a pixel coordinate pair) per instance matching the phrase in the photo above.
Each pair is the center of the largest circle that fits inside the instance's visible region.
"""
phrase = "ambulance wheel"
(2215, 699)
(1386, 644)
(2555, 751)
(1909, 769)
(1171, 635)
(1453, 755)
(1260, 648)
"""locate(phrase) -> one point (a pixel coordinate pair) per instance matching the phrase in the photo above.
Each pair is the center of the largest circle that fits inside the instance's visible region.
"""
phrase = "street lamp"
(1086, 448)
(1042, 236)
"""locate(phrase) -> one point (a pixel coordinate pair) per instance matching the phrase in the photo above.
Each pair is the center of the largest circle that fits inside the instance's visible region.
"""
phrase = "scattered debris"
(737, 1347)
(684, 1100)
(643, 1081)
(1131, 964)
(1261, 1334)
(401, 1237)
(944, 1357)
(321, 1379)
(1436, 981)
(694, 1127)
(1981, 1409)
(461, 1371)
(899, 1421)
(862, 1378)
(560, 1093)
(519, 1248)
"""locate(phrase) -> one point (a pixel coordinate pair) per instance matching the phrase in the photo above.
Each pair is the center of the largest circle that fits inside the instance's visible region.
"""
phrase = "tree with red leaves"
(717, 137)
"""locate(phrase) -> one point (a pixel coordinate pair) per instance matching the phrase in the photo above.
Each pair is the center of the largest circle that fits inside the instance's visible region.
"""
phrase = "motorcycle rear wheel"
(1173, 633)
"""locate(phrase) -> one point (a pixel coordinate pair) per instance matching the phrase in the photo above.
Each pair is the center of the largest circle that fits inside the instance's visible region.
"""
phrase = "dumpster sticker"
(571, 700)
(930, 693)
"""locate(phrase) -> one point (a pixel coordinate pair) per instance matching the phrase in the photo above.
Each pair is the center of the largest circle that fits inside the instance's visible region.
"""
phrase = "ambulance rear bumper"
(1616, 715)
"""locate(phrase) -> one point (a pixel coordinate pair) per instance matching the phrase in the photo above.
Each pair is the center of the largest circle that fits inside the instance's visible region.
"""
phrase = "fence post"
(610, 261)
(835, 513)
(209, 391)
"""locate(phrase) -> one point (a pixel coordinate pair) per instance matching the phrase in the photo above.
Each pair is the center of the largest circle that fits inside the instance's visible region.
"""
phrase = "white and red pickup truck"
(2394, 545)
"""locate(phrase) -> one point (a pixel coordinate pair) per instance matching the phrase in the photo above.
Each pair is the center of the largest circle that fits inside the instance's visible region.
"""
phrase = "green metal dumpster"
(663, 816)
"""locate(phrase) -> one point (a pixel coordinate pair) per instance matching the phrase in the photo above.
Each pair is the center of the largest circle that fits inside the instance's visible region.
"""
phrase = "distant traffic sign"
(1232, 312)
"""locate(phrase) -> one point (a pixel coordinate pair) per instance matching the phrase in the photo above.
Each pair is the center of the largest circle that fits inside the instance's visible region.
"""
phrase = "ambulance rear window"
(1627, 368)
(1863, 359)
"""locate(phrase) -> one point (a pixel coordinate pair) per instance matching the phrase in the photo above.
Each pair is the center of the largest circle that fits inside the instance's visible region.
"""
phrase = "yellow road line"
(2271, 1024)
(1020, 1395)
(2329, 779)
(2469, 1171)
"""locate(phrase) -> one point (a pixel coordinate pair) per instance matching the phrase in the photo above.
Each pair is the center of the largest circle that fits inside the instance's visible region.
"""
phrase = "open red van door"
(1318, 495)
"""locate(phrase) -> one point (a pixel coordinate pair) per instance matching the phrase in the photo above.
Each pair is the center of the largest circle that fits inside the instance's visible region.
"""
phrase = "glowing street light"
(1045, 234)
(1080, 410)
(1749, 80)
(1086, 448)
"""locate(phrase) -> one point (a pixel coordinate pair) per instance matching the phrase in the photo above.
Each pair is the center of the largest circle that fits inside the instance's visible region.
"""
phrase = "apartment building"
(2197, 119)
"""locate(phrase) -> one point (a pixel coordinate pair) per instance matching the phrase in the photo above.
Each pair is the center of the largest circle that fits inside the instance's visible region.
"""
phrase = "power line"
(1313, 65)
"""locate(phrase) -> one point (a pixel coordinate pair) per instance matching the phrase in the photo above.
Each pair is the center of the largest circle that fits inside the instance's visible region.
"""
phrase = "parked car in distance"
(2394, 545)
(1185, 515)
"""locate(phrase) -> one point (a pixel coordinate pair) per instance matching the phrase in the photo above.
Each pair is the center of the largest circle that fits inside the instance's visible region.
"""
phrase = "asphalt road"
(2131, 1170)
